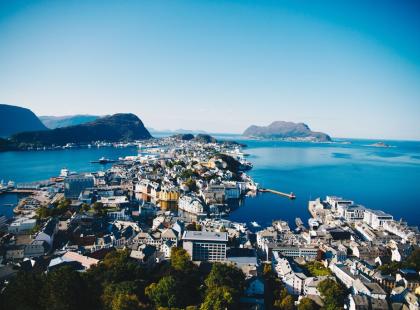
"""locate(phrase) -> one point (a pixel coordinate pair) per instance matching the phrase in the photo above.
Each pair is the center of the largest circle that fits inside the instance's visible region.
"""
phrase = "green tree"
(22, 293)
(125, 301)
(120, 291)
(64, 289)
(413, 260)
(225, 284)
(225, 275)
(218, 298)
(332, 294)
(286, 303)
(180, 259)
(307, 304)
(164, 293)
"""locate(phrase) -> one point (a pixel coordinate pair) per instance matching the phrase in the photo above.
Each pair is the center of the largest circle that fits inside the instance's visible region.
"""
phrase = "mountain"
(53, 122)
(15, 119)
(286, 130)
(117, 127)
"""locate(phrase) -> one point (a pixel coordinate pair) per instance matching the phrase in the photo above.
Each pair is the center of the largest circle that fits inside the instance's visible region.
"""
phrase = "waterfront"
(379, 178)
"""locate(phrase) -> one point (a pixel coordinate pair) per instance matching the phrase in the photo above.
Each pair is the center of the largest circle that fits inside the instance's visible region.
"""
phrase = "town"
(153, 232)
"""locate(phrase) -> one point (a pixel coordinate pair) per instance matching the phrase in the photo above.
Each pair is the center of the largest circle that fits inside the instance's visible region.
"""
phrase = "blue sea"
(378, 178)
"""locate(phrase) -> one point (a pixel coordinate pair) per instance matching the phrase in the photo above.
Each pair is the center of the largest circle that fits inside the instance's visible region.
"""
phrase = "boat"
(103, 161)
(255, 224)
(298, 221)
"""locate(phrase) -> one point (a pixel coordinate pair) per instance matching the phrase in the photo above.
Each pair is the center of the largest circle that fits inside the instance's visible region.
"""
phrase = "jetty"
(267, 190)
(18, 191)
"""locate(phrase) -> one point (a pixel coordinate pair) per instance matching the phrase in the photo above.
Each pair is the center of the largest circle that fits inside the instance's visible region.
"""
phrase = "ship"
(103, 161)
(298, 222)
(255, 224)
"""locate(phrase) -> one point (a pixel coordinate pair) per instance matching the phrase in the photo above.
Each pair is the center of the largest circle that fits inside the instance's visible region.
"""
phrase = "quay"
(18, 191)
(267, 190)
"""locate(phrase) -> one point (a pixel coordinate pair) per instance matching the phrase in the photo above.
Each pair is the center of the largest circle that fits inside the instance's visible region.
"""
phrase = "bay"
(378, 178)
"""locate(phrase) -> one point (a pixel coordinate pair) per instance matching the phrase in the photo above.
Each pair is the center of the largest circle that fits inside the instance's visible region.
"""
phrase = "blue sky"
(351, 69)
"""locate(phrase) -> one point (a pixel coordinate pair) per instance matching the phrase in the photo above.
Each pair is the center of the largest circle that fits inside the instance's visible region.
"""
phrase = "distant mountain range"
(53, 122)
(176, 131)
(287, 131)
(117, 127)
(15, 119)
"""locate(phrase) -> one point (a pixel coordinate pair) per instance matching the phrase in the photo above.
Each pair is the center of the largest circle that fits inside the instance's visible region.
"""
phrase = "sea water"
(376, 177)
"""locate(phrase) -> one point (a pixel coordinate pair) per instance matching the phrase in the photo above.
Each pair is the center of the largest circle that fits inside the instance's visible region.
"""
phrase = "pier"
(18, 191)
(267, 190)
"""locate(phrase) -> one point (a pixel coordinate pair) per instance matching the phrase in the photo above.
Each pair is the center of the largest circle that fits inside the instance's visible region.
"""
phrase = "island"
(114, 128)
(281, 130)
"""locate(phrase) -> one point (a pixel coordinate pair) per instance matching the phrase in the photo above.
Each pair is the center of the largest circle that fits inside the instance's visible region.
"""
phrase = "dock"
(267, 190)
(18, 191)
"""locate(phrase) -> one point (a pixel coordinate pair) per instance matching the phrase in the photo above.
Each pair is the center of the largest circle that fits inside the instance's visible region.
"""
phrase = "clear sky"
(351, 69)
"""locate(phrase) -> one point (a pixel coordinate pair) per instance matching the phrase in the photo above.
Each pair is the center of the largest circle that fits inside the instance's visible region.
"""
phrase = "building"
(3, 221)
(295, 251)
(48, 232)
(205, 246)
(21, 225)
(214, 194)
(291, 275)
(232, 190)
(376, 218)
(335, 202)
(76, 184)
(354, 213)
(190, 204)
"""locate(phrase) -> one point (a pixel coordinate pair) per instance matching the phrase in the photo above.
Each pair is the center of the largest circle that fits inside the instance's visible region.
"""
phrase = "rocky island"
(281, 130)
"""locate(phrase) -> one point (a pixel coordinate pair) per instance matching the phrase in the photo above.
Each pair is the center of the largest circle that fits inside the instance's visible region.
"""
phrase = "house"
(145, 254)
(36, 248)
(74, 260)
(190, 204)
(48, 232)
(358, 302)
(290, 274)
(253, 294)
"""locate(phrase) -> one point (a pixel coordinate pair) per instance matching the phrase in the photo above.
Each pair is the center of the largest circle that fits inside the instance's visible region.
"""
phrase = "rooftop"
(205, 235)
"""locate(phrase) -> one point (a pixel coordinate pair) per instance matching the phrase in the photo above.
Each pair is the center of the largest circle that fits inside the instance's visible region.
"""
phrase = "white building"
(335, 202)
(354, 213)
(376, 218)
(190, 204)
(21, 225)
(205, 245)
(293, 280)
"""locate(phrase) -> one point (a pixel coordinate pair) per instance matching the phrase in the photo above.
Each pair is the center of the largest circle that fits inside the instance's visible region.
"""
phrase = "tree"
(332, 294)
(125, 301)
(307, 304)
(64, 289)
(118, 294)
(286, 303)
(218, 298)
(225, 285)
(164, 293)
(413, 260)
(180, 259)
(99, 208)
(225, 275)
(22, 293)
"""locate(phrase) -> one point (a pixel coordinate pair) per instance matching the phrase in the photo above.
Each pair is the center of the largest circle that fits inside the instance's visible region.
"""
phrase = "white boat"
(255, 224)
